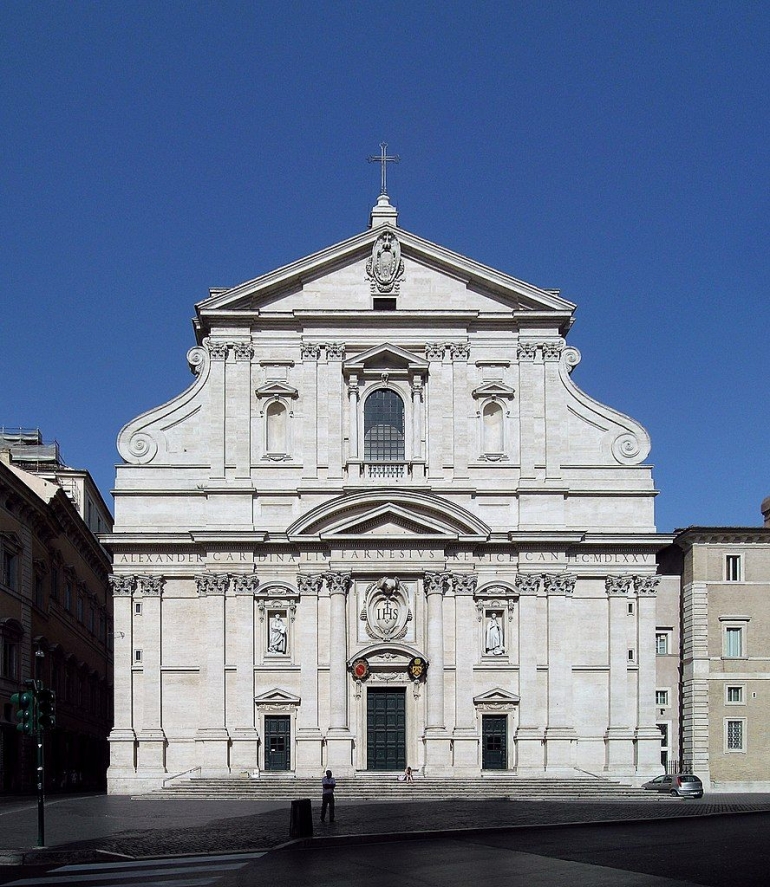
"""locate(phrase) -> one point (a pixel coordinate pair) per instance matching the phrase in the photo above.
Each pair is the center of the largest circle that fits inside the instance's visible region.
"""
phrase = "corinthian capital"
(243, 350)
(465, 583)
(212, 584)
(646, 586)
(310, 585)
(122, 586)
(552, 350)
(559, 583)
(218, 350)
(435, 583)
(337, 583)
(526, 350)
(246, 583)
(152, 586)
(618, 585)
(528, 583)
(309, 351)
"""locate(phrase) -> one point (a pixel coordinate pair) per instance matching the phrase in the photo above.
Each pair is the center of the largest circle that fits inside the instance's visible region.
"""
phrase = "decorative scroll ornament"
(386, 610)
(417, 668)
(385, 268)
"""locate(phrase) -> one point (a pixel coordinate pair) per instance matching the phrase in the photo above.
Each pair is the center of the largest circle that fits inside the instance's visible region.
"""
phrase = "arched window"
(276, 428)
(492, 417)
(384, 427)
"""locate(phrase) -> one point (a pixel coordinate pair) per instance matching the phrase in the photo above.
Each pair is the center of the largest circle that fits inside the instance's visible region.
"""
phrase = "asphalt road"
(724, 851)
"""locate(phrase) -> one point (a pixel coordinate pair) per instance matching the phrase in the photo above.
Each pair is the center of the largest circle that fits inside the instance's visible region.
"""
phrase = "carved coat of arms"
(386, 611)
(386, 267)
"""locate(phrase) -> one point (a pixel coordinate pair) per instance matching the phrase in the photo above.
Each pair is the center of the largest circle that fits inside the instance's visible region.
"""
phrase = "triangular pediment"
(386, 514)
(498, 695)
(277, 389)
(385, 357)
(295, 289)
(494, 389)
(277, 697)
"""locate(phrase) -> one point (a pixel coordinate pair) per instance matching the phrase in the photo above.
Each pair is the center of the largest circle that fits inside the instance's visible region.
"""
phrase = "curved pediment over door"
(388, 514)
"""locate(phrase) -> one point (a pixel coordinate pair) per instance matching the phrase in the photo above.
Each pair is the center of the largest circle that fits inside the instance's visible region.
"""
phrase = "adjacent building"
(725, 653)
(383, 527)
(55, 612)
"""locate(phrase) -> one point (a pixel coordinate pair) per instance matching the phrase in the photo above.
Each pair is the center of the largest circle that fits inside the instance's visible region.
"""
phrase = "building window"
(664, 749)
(68, 596)
(663, 641)
(734, 694)
(10, 663)
(384, 303)
(9, 566)
(631, 655)
(733, 567)
(137, 657)
(80, 608)
(384, 427)
(137, 608)
(630, 608)
(735, 734)
(54, 584)
(734, 642)
(39, 592)
(661, 698)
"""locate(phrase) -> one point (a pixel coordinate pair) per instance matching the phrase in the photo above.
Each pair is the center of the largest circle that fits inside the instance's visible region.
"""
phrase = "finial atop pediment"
(383, 213)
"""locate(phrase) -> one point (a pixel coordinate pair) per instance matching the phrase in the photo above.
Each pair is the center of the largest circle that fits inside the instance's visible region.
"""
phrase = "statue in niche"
(493, 637)
(277, 635)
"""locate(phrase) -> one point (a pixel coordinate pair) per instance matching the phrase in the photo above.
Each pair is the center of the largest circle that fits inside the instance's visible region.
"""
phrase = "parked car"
(685, 785)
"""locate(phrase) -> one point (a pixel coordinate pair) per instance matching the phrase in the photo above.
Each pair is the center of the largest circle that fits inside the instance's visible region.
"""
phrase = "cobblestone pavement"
(357, 821)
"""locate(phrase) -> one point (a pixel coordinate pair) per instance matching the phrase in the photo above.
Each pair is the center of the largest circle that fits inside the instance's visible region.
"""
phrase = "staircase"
(271, 787)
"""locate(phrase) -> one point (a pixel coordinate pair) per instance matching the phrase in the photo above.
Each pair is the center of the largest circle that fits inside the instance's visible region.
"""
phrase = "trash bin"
(301, 824)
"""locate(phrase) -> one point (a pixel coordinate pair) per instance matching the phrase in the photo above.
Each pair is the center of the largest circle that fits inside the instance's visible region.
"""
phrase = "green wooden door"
(277, 743)
(494, 736)
(386, 729)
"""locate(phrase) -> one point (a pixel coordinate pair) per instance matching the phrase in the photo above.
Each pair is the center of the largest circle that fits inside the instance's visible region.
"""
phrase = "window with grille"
(384, 427)
(735, 738)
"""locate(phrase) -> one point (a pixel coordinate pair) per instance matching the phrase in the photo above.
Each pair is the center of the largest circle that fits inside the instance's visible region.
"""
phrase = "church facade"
(383, 527)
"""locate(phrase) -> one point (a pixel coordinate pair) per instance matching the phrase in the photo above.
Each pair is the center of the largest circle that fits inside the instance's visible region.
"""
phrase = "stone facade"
(384, 526)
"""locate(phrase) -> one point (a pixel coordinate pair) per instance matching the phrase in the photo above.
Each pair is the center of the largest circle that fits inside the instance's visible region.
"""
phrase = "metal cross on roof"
(383, 158)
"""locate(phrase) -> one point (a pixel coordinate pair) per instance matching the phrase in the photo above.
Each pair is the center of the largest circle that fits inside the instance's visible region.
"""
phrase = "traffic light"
(46, 709)
(26, 711)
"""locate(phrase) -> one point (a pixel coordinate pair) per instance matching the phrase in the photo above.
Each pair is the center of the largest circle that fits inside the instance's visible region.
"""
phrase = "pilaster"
(339, 741)
(530, 733)
(122, 737)
(308, 737)
(244, 733)
(560, 734)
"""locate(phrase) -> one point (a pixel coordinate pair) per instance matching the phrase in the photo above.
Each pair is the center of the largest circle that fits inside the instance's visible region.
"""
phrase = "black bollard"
(301, 823)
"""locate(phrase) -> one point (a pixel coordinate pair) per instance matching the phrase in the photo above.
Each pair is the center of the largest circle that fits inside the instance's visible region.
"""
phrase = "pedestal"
(620, 751)
(438, 753)
(530, 757)
(561, 749)
(339, 752)
(151, 752)
(212, 746)
(465, 757)
(244, 751)
(308, 752)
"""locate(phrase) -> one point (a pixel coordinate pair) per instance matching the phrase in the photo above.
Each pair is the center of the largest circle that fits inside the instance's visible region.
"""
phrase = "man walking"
(327, 796)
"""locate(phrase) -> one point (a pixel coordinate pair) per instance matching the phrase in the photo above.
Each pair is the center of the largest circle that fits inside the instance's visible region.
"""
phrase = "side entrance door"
(386, 728)
(277, 742)
(494, 736)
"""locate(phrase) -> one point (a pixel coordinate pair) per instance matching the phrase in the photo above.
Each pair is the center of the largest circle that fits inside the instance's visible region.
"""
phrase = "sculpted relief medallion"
(386, 610)
(385, 267)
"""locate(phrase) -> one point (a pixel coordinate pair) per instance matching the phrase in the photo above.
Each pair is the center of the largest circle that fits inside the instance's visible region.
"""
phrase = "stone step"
(389, 788)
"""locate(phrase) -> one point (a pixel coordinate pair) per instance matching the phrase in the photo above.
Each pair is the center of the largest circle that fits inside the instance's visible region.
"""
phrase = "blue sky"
(616, 151)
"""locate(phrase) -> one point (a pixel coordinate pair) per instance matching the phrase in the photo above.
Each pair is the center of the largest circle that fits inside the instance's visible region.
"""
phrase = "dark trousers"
(327, 801)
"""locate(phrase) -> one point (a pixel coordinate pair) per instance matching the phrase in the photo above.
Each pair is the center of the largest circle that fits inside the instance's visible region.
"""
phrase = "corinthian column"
(122, 738)
(437, 740)
(212, 736)
(338, 739)
(619, 736)
(647, 734)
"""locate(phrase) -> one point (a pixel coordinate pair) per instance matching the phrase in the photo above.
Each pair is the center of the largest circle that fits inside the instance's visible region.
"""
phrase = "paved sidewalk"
(83, 828)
